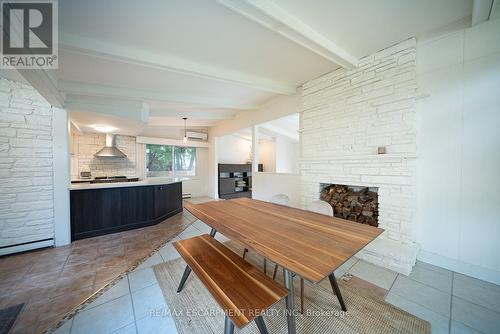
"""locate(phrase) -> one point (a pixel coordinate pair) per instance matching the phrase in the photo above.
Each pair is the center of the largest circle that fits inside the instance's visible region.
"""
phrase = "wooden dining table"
(303, 243)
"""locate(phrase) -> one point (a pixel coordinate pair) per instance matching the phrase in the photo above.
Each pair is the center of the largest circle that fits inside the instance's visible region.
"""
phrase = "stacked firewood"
(360, 206)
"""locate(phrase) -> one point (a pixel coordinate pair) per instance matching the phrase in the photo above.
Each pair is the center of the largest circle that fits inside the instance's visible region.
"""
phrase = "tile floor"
(451, 302)
(127, 306)
(43, 279)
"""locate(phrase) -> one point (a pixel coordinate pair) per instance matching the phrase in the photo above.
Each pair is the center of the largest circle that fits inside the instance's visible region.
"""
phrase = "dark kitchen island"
(98, 209)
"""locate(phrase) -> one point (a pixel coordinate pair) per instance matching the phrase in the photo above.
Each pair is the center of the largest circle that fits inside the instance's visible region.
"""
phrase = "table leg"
(336, 290)
(290, 308)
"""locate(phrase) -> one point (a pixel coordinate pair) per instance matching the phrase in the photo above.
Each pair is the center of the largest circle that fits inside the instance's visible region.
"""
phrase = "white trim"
(140, 163)
(167, 141)
(255, 148)
(138, 56)
(26, 247)
(473, 270)
(61, 170)
(213, 171)
(278, 20)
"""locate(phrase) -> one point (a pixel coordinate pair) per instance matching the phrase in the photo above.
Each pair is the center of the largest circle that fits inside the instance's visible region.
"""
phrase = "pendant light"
(185, 139)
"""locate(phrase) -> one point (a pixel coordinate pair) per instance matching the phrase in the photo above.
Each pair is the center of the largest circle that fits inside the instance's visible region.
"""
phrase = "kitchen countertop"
(147, 182)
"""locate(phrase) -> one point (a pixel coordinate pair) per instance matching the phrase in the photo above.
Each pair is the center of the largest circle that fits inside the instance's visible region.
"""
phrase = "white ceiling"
(208, 60)
(86, 121)
(365, 26)
(200, 31)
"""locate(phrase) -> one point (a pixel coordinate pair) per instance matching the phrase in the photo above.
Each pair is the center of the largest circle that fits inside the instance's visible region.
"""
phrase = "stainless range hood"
(110, 150)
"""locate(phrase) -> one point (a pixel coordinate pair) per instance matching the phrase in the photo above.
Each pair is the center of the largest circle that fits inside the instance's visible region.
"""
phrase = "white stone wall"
(346, 116)
(26, 177)
(86, 145)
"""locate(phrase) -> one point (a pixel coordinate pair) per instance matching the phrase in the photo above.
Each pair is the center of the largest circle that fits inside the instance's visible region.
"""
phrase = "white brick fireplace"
(346, 116)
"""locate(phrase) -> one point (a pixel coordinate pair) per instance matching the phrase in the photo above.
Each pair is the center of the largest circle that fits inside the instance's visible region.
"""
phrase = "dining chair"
(280, 199)
(320, 207)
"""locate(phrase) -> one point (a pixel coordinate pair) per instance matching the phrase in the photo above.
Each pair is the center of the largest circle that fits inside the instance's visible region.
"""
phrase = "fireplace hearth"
(358, 204)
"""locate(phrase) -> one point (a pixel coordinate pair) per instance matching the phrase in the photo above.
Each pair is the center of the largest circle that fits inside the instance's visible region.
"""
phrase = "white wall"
(267, 155)
(346, 115)
(287, 157)
(279, 155)
(198, 185)
(233, 150)
(266, 185)
(27, 180)
(459, 151)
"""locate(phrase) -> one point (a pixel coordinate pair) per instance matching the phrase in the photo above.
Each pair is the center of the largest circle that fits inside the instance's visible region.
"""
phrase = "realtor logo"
(29, 34)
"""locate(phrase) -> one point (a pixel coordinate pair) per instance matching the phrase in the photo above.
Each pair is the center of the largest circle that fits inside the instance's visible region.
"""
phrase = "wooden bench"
(240, 289)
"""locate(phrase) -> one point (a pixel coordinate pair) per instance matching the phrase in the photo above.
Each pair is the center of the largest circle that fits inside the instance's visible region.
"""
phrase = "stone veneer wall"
(346, 116)
(86, 145)
(26, 165)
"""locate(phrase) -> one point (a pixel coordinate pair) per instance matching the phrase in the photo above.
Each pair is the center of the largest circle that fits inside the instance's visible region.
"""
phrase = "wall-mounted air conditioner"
(193, 135)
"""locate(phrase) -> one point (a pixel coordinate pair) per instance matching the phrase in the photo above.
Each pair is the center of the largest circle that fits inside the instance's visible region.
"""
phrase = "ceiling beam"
(42, 80)
(45, 84)
(179, 122)
(137, 56)
(76, 88)
(481, 10)
(278, 20)
(206, 114)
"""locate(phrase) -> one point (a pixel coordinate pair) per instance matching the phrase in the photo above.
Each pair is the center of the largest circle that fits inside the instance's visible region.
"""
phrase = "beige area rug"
(195, 311)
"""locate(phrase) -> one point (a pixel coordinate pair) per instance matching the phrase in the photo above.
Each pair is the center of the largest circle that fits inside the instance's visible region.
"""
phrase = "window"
(170, 161)
(184, 161)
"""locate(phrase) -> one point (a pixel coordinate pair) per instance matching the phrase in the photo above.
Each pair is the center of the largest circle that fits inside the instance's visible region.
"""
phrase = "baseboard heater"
(186, 195)
(26, 246)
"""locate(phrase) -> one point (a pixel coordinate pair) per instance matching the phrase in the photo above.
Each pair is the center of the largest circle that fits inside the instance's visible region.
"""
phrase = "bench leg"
(290, 308)
(187, 271)
(245, 251)
(265, 266)
(301, 295)
(212, 232)
(336, 290)
(275, 271)
(261, 325)
(228, 326)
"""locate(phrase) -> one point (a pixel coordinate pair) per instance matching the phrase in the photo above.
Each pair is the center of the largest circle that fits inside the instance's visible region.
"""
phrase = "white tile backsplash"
(86, 145)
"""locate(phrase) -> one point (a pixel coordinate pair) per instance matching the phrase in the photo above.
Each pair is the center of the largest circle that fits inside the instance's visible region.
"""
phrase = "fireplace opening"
(358, 204)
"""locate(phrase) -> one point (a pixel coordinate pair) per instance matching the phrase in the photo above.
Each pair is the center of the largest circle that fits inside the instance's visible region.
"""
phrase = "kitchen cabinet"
(102, 211)
(166, 199)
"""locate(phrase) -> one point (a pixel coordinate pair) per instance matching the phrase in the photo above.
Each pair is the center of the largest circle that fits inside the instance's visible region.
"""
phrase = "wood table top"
(309, 244)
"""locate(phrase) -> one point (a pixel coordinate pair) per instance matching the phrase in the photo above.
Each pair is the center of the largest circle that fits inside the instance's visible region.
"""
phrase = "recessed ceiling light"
(104, 128)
